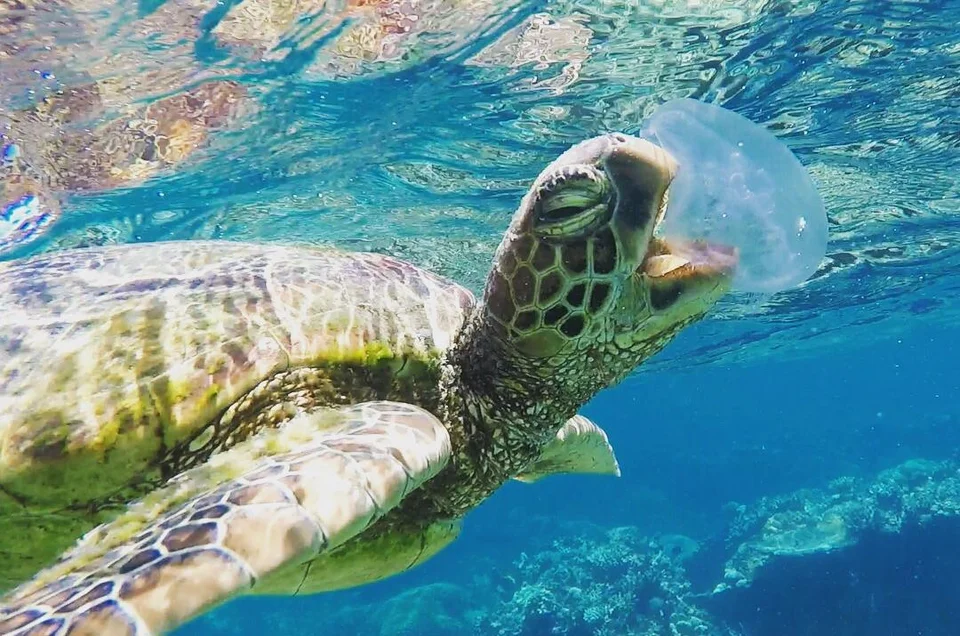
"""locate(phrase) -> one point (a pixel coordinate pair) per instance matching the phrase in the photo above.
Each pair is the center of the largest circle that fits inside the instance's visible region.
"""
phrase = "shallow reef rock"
(862, 556)
(440, 609)
(911, 495)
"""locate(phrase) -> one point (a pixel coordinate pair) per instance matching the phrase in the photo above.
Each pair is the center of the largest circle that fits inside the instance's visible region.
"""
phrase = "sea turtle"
(268, 419)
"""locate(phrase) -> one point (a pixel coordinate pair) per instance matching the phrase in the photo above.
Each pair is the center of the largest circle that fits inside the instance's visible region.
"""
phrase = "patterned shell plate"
(110, 357)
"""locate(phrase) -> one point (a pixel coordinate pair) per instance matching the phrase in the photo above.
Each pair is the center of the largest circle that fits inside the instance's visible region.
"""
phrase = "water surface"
(424, 152)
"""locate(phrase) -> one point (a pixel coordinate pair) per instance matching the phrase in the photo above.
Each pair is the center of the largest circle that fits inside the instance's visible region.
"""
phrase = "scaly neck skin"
(501, 408)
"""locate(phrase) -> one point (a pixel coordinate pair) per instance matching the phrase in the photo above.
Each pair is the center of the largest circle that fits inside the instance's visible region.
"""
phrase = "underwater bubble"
(738, 185)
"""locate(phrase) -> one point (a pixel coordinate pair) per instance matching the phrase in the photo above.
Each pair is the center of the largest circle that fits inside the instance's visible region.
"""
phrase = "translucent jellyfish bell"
(738, 185)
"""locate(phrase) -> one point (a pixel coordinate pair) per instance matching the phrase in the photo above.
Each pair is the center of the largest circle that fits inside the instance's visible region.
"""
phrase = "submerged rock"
(810, 522)
(439, 609)
(861, 556)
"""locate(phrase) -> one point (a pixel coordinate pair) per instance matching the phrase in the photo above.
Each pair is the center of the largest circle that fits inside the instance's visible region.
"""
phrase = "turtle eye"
(571, 201)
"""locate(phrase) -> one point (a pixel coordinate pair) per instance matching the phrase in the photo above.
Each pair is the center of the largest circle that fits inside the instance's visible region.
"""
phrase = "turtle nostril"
(619, 137)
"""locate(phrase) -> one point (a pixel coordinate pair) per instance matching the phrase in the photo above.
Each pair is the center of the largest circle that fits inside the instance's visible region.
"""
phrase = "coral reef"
(815, 521)
(861, 556)
(844, 559)
(616, 582)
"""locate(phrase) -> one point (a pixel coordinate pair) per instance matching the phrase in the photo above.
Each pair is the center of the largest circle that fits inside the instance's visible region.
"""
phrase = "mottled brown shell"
(116, 361)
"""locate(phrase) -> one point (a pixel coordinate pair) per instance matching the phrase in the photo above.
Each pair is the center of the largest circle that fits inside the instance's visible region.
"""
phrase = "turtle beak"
(697, 271)
(676, 259)
(641, 172)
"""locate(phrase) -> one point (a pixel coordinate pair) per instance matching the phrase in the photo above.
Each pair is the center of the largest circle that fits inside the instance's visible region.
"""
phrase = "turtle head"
(582, 291)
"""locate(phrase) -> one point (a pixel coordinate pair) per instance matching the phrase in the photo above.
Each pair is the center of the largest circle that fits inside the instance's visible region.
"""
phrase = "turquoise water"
(425, 156)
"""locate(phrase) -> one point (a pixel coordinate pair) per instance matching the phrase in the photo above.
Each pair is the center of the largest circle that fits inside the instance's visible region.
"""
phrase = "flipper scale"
(274, 502)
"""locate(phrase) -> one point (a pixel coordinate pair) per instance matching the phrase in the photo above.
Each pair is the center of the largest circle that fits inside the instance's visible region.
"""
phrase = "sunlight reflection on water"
(415, 127)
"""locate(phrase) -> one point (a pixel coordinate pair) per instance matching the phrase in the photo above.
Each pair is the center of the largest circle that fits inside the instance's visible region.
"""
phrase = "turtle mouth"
(678, 260)
(642, 173)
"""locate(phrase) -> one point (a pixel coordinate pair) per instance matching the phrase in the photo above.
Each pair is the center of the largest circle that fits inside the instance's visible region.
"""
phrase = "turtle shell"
(122, 366)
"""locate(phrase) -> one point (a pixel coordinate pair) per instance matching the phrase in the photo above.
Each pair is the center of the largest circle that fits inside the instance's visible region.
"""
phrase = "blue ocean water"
(424, 155)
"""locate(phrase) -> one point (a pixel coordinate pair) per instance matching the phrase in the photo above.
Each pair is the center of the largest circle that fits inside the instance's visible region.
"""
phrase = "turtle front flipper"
(580, 447)
(268, 505)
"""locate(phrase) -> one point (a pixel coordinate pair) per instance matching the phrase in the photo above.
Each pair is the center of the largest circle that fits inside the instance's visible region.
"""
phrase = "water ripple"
(422, 145)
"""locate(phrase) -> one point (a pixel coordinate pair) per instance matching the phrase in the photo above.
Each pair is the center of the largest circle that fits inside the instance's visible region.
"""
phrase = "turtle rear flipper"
(272, 503)
(580, 447)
